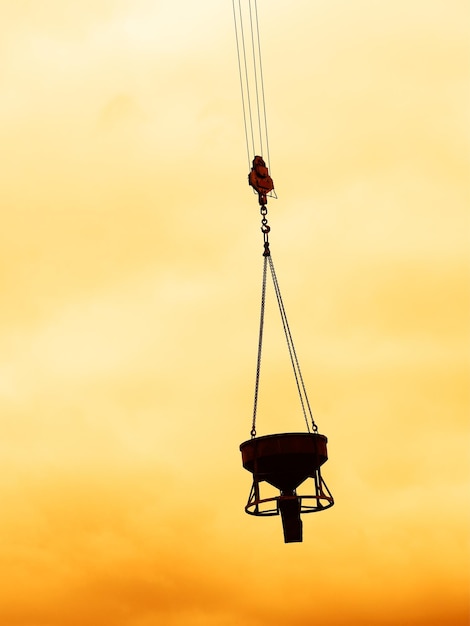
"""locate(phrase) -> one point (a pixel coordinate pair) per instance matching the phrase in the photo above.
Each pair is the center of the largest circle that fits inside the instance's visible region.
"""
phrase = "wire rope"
(255, 74)
(262, 87)
(250, 69)
(241, 84)
(246, 85)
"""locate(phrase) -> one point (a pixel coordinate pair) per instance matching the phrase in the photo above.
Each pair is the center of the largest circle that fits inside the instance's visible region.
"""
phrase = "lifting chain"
(307, 412)
(260, 345)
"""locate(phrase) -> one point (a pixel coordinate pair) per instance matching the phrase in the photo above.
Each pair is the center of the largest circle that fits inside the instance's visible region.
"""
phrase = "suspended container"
(286, 461)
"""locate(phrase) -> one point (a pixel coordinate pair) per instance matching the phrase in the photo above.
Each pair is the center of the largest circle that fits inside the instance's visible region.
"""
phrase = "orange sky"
(130, 278)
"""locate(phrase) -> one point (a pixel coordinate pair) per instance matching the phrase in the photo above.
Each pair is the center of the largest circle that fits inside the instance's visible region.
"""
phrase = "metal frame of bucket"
(285, 461)
(322, 499)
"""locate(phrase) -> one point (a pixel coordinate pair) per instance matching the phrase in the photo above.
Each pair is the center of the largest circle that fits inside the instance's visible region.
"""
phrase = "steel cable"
(250, 71)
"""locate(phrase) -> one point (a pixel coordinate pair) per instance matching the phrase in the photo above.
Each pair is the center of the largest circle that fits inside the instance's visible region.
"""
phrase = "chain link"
(265, 229)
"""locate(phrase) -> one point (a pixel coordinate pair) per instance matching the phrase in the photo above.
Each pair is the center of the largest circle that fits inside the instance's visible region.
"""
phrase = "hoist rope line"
(262, 86)
(292, 352)
(250, 71)
(246, 76)
(241, 83)
(255, 75)
(260, 346)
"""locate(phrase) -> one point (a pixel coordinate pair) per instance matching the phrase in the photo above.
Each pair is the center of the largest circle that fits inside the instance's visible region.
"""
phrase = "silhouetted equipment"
(285, 460)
